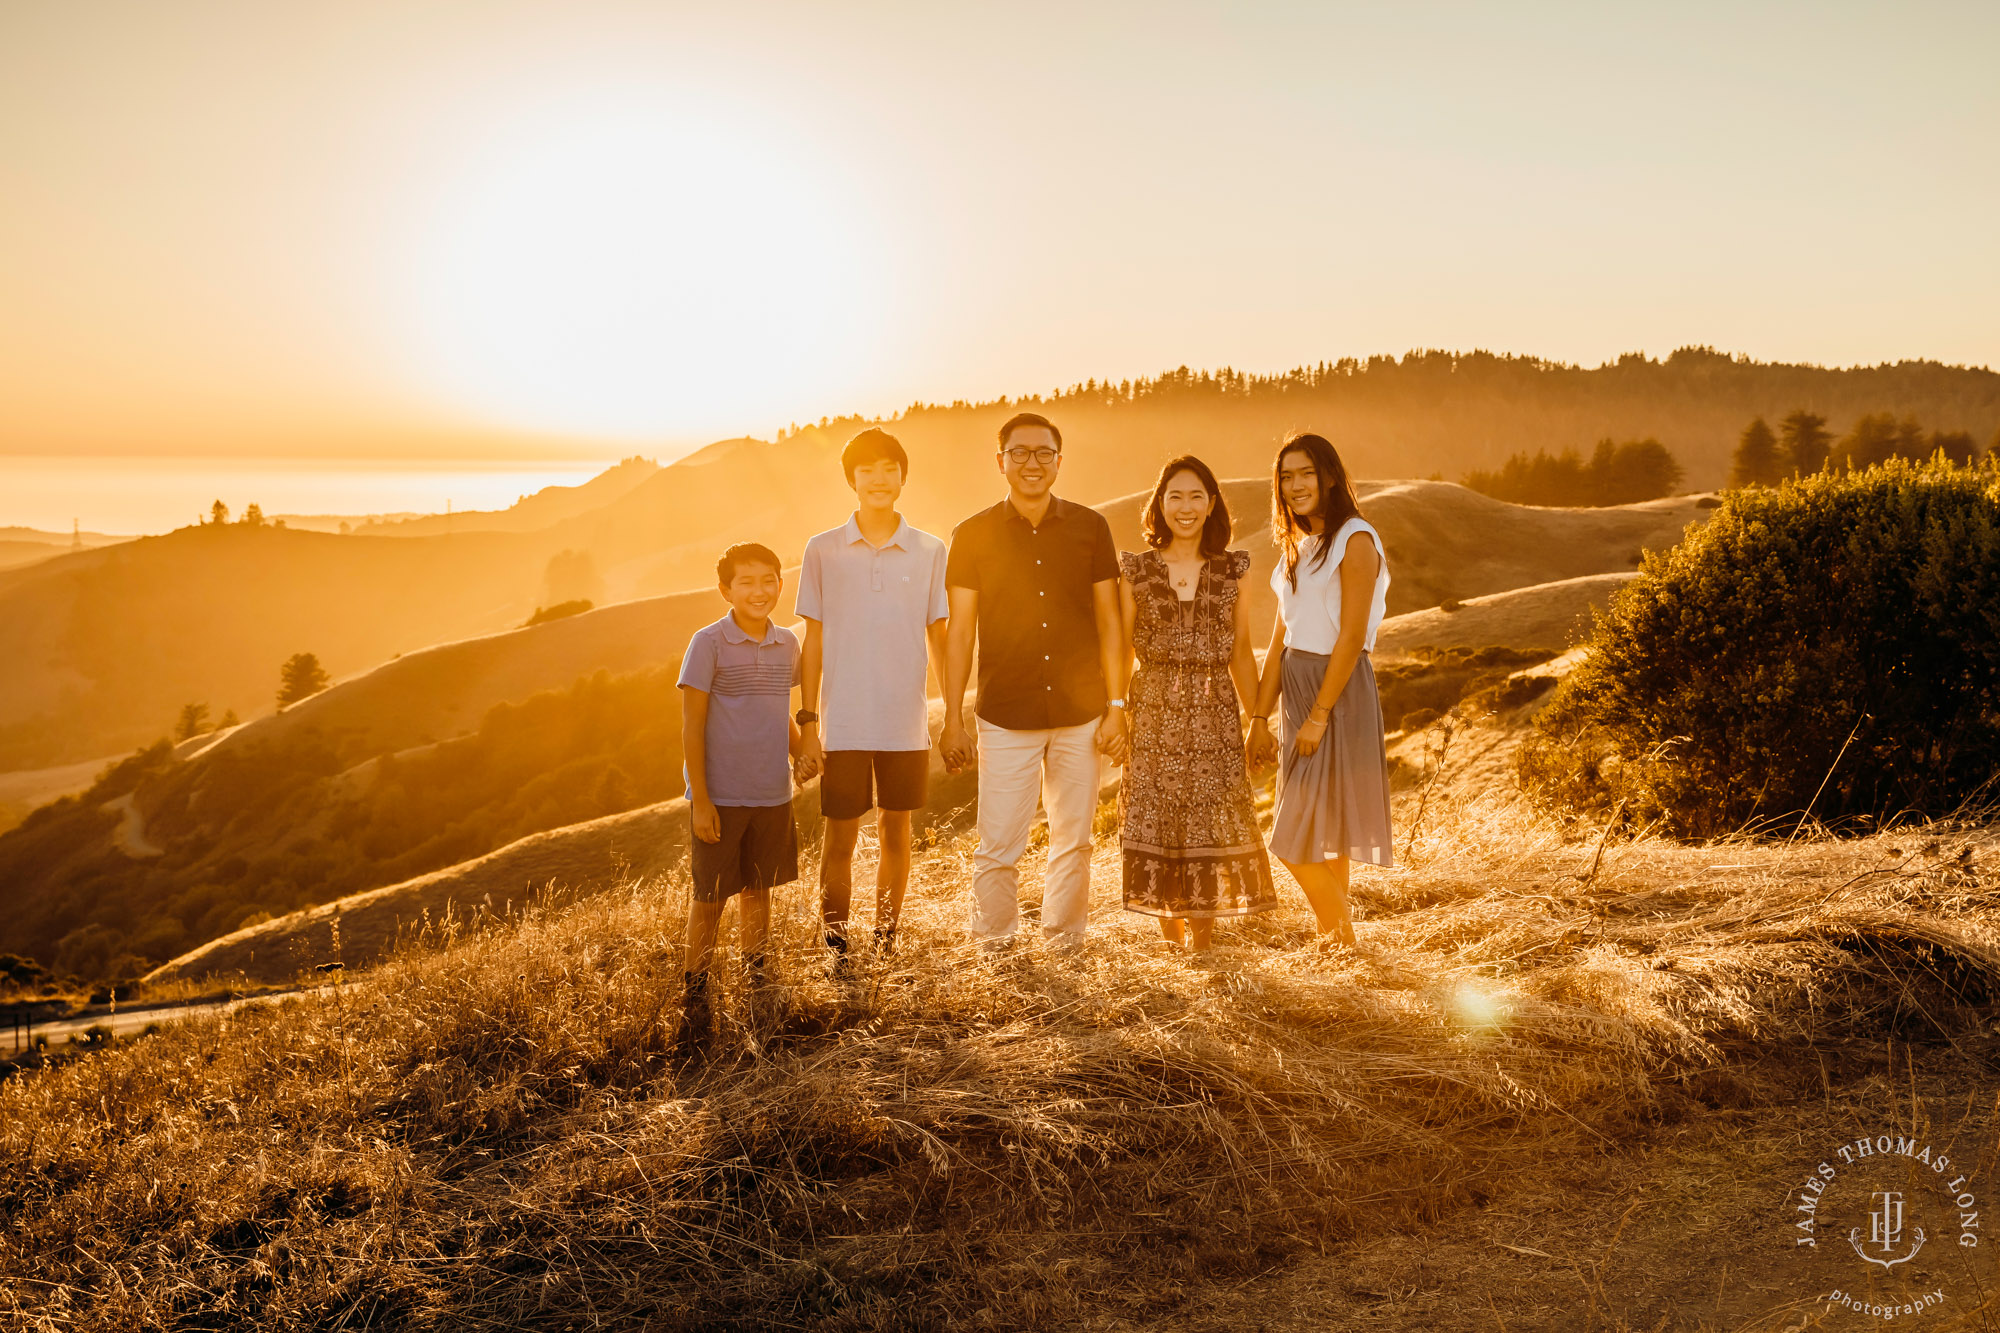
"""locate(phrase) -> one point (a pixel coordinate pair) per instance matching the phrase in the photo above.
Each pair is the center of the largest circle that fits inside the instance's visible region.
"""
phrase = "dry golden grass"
(489, 1134)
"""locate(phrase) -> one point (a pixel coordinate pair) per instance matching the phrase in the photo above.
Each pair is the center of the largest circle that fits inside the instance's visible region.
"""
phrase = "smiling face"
(1186, 505)
(1030, 460)
(752, 591)
(878, 484)
(1300, 483)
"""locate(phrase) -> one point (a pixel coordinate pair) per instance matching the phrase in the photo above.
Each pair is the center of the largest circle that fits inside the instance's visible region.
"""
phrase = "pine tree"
(193, 722)
(1874, 439)
(1757, 460)
(1805, 440)
(218, 513)
(300, 678)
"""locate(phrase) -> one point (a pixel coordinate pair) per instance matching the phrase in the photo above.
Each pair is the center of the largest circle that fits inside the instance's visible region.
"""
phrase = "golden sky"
(398, 227)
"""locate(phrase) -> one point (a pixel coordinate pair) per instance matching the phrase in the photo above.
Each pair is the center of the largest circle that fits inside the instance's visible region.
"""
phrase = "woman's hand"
(1262, 747)
(1309, 737)
(1114, 738)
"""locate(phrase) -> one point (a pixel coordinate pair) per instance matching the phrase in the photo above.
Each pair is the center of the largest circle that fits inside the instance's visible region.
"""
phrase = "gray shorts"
(759, 849)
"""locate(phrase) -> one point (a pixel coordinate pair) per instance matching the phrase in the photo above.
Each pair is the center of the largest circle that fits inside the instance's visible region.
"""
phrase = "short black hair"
(744, 553)
(1020, 419)
(871, 446)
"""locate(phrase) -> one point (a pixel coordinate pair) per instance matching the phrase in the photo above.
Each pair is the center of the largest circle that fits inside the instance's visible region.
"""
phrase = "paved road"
(126, 1022)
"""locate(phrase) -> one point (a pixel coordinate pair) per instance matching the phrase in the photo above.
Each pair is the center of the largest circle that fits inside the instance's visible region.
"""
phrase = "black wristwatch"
(805, 715)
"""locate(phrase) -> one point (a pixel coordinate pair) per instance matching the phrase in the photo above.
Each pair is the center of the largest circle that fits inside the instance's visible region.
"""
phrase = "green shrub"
(1829, 648)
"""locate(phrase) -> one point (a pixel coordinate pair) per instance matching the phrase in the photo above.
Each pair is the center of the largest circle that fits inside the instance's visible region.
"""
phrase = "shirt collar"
(733, 632)
(1057, 508)
(850, 533)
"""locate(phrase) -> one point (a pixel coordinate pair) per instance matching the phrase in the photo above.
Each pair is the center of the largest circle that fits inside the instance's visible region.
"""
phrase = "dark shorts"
(759, 848)
(855, 781)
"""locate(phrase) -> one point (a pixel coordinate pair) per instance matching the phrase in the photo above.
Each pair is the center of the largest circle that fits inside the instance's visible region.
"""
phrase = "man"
(1034, 580)
(872, 594)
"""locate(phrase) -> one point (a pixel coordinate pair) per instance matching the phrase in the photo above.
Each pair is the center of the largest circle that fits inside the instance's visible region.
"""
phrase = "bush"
(1830, 648)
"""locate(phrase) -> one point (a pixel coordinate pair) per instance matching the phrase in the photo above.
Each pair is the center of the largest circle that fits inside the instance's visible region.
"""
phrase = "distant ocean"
(151, 495)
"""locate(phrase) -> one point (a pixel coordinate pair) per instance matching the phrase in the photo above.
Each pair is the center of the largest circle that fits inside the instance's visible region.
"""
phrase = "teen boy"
(871, 593)
(737, 734)
(1033, 582)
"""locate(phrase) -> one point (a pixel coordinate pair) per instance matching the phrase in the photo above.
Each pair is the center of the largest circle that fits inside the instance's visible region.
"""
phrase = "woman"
(1333, 774)
(1192, 851)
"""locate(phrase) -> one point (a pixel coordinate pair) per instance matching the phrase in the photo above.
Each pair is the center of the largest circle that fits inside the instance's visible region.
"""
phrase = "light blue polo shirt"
(873, 604)
(749, 686)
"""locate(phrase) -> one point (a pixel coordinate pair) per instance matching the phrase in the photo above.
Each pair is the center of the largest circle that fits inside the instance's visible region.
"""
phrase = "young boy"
(736, 731)
(872, 595)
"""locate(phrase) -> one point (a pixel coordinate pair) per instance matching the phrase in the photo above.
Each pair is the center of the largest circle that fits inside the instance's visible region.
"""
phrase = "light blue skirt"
(1334, 802)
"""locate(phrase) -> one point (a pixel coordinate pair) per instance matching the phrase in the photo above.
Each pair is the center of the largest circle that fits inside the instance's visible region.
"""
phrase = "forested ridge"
(1433, 412)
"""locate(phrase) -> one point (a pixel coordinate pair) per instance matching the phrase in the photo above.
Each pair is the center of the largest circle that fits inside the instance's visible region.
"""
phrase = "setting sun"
(625, 268)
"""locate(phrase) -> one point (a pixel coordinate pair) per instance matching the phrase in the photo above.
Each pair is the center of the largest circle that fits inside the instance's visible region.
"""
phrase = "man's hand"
(707, 820)
(1113, 735)
(956, 745)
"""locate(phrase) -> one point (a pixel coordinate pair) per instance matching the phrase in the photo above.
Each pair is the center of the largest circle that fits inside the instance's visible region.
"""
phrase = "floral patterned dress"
(1191, 843)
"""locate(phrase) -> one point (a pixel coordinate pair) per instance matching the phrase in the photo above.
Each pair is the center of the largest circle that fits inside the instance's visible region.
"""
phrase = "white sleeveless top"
(1312, 610)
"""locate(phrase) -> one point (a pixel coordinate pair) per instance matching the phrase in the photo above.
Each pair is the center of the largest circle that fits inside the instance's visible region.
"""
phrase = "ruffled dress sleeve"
(1239, 564)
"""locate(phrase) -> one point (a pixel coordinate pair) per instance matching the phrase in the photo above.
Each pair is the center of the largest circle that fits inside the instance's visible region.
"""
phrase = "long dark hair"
(1336, 501)
(1215, 533)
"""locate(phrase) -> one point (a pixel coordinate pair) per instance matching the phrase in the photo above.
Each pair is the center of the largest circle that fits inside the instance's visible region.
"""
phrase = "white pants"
(1061, 764)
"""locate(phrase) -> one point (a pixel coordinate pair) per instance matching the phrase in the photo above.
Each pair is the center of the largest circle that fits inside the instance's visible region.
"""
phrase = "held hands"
(811, 759)
(1114, 735)
(1261, 749)
(957, 746)
(707, 821)
(1309, 737)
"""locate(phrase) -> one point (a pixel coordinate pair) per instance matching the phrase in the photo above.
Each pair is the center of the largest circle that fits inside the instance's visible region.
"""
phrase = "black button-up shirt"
(1038, 649)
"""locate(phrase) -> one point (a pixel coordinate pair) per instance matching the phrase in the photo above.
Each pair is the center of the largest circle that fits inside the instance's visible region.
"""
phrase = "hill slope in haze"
(549, 505)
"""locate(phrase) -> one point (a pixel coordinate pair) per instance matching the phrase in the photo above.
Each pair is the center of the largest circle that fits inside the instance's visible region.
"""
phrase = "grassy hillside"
(486, 1133)
(106, 645)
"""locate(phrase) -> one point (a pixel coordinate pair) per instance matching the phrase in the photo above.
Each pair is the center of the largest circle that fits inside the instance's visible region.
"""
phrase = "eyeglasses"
(1020, 454)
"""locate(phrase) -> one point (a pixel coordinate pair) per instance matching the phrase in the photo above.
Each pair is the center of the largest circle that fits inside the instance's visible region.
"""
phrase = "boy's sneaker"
(696, 1018)
(764, 999)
